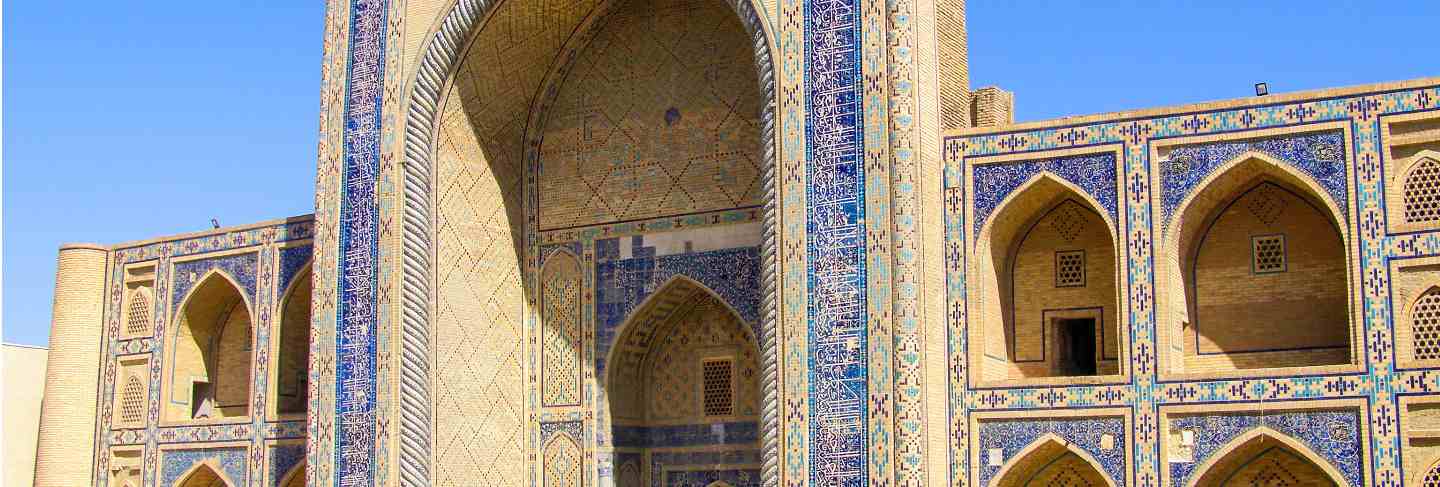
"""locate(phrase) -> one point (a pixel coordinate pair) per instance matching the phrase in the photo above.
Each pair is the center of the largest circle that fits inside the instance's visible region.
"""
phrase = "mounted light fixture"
(1262, 89)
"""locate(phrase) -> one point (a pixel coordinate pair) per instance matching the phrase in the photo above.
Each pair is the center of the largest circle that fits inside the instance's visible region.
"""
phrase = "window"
(1267, 254)
(1432, 478)
(1425, 325)
(137, 312)
(132, 402)
(1422, 193)
(1070, 268)
(719, 397)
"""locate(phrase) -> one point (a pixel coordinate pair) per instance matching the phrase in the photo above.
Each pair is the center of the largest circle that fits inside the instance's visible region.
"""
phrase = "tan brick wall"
(1038, 301)
(24, 384)
(1272, 462)
(66, 451)
(1238, 310)
(707, 331)
(992, 107)
(125, 467)
(954, 54)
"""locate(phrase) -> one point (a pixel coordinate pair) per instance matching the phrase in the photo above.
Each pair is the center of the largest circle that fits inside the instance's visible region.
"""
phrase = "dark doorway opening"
(1077, 346)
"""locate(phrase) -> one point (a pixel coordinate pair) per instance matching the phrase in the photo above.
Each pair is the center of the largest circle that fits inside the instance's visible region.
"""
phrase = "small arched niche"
(1255, 273)
(684, 362)
(203, 476)
(1266, 458)
(290, 377)
(1047, 292)
(212, 353)
(1051, 461)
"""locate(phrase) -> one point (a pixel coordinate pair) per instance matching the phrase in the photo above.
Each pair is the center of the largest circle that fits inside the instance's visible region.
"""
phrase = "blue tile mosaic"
(178, 462)
(622, 284)
(745, 477)
(282, 459)
(730, 433)
(662, 460)
(1319, 155)
(573, 428)
(1013, 436)
(240, 267)
(292, 262)
(1093, 173)
(835, 176)
(1333, 435)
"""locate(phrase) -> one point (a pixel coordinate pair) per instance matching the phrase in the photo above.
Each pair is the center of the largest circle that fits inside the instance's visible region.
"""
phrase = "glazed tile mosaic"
(1334, 435)
(1088, 434)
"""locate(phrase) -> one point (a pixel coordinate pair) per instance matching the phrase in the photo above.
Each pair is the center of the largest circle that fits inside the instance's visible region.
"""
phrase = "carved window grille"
(1432, 477)
(717, 381)
(1070, 268)
(1422, 193)
(1425, 326)
(137, 312)
(1267, 254)
(132, 401)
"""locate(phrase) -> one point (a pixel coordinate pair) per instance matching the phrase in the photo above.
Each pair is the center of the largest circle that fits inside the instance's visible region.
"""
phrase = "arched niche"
(1048, 461)
(503, 90)
(1046, 287)
(204, 475)
(290, 374)
(683, 361)
(1265, 457)
(212, 353)
(1254, 273)
(294, 478)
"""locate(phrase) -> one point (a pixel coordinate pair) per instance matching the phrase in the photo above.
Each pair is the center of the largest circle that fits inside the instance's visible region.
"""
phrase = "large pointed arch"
(438, 63)
(1044, 454)
(1242, 451)
(996, 248)
(212, 343)
(1186, 229)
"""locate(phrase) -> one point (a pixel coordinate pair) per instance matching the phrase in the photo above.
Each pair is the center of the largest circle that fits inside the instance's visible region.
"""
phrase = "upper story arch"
(211, 354)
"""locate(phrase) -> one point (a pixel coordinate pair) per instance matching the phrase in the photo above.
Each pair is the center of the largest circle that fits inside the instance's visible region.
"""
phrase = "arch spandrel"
(1233, 461)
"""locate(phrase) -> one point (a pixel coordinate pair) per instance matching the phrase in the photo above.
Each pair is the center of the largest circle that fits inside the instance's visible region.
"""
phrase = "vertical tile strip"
(835, 226)
(355, 377)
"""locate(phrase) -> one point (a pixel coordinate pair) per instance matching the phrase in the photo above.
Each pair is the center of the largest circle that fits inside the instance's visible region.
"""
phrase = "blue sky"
(128, 120)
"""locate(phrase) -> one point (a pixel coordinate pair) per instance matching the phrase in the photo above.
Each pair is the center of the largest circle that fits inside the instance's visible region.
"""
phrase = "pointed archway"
(203, 475)
(1051, 461)
(1266, 458)
(1046, 275)
(212, 353)
(1258, 246)
(683, 374)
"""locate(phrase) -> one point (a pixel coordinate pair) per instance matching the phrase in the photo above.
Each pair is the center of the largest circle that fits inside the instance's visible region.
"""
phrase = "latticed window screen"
(1425, 326)
(1422, 193)
(132, 401)
(719, 398)
(1070, 268)
(137, 312)
(1432, 477)
(1267, 253)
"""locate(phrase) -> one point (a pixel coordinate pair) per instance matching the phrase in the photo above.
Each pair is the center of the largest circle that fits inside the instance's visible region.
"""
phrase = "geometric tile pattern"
(1318, 155)
(1267, 254)
(283, 458)
(240, 267)
(657, 116)
(562, 462)
(1333, 435)
(1093, 173)
(232, 463)
(560, 312)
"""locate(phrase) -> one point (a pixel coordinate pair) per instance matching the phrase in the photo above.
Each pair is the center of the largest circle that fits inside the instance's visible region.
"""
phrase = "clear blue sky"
(128, 120)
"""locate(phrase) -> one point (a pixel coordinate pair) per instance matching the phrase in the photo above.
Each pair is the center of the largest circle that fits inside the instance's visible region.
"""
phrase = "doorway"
(1076, 340)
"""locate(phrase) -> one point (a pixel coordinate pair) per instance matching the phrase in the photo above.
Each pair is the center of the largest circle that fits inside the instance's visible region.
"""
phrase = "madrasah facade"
(741, 242)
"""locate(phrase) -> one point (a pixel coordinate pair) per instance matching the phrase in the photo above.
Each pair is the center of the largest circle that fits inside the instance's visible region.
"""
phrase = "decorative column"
(65, 454)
